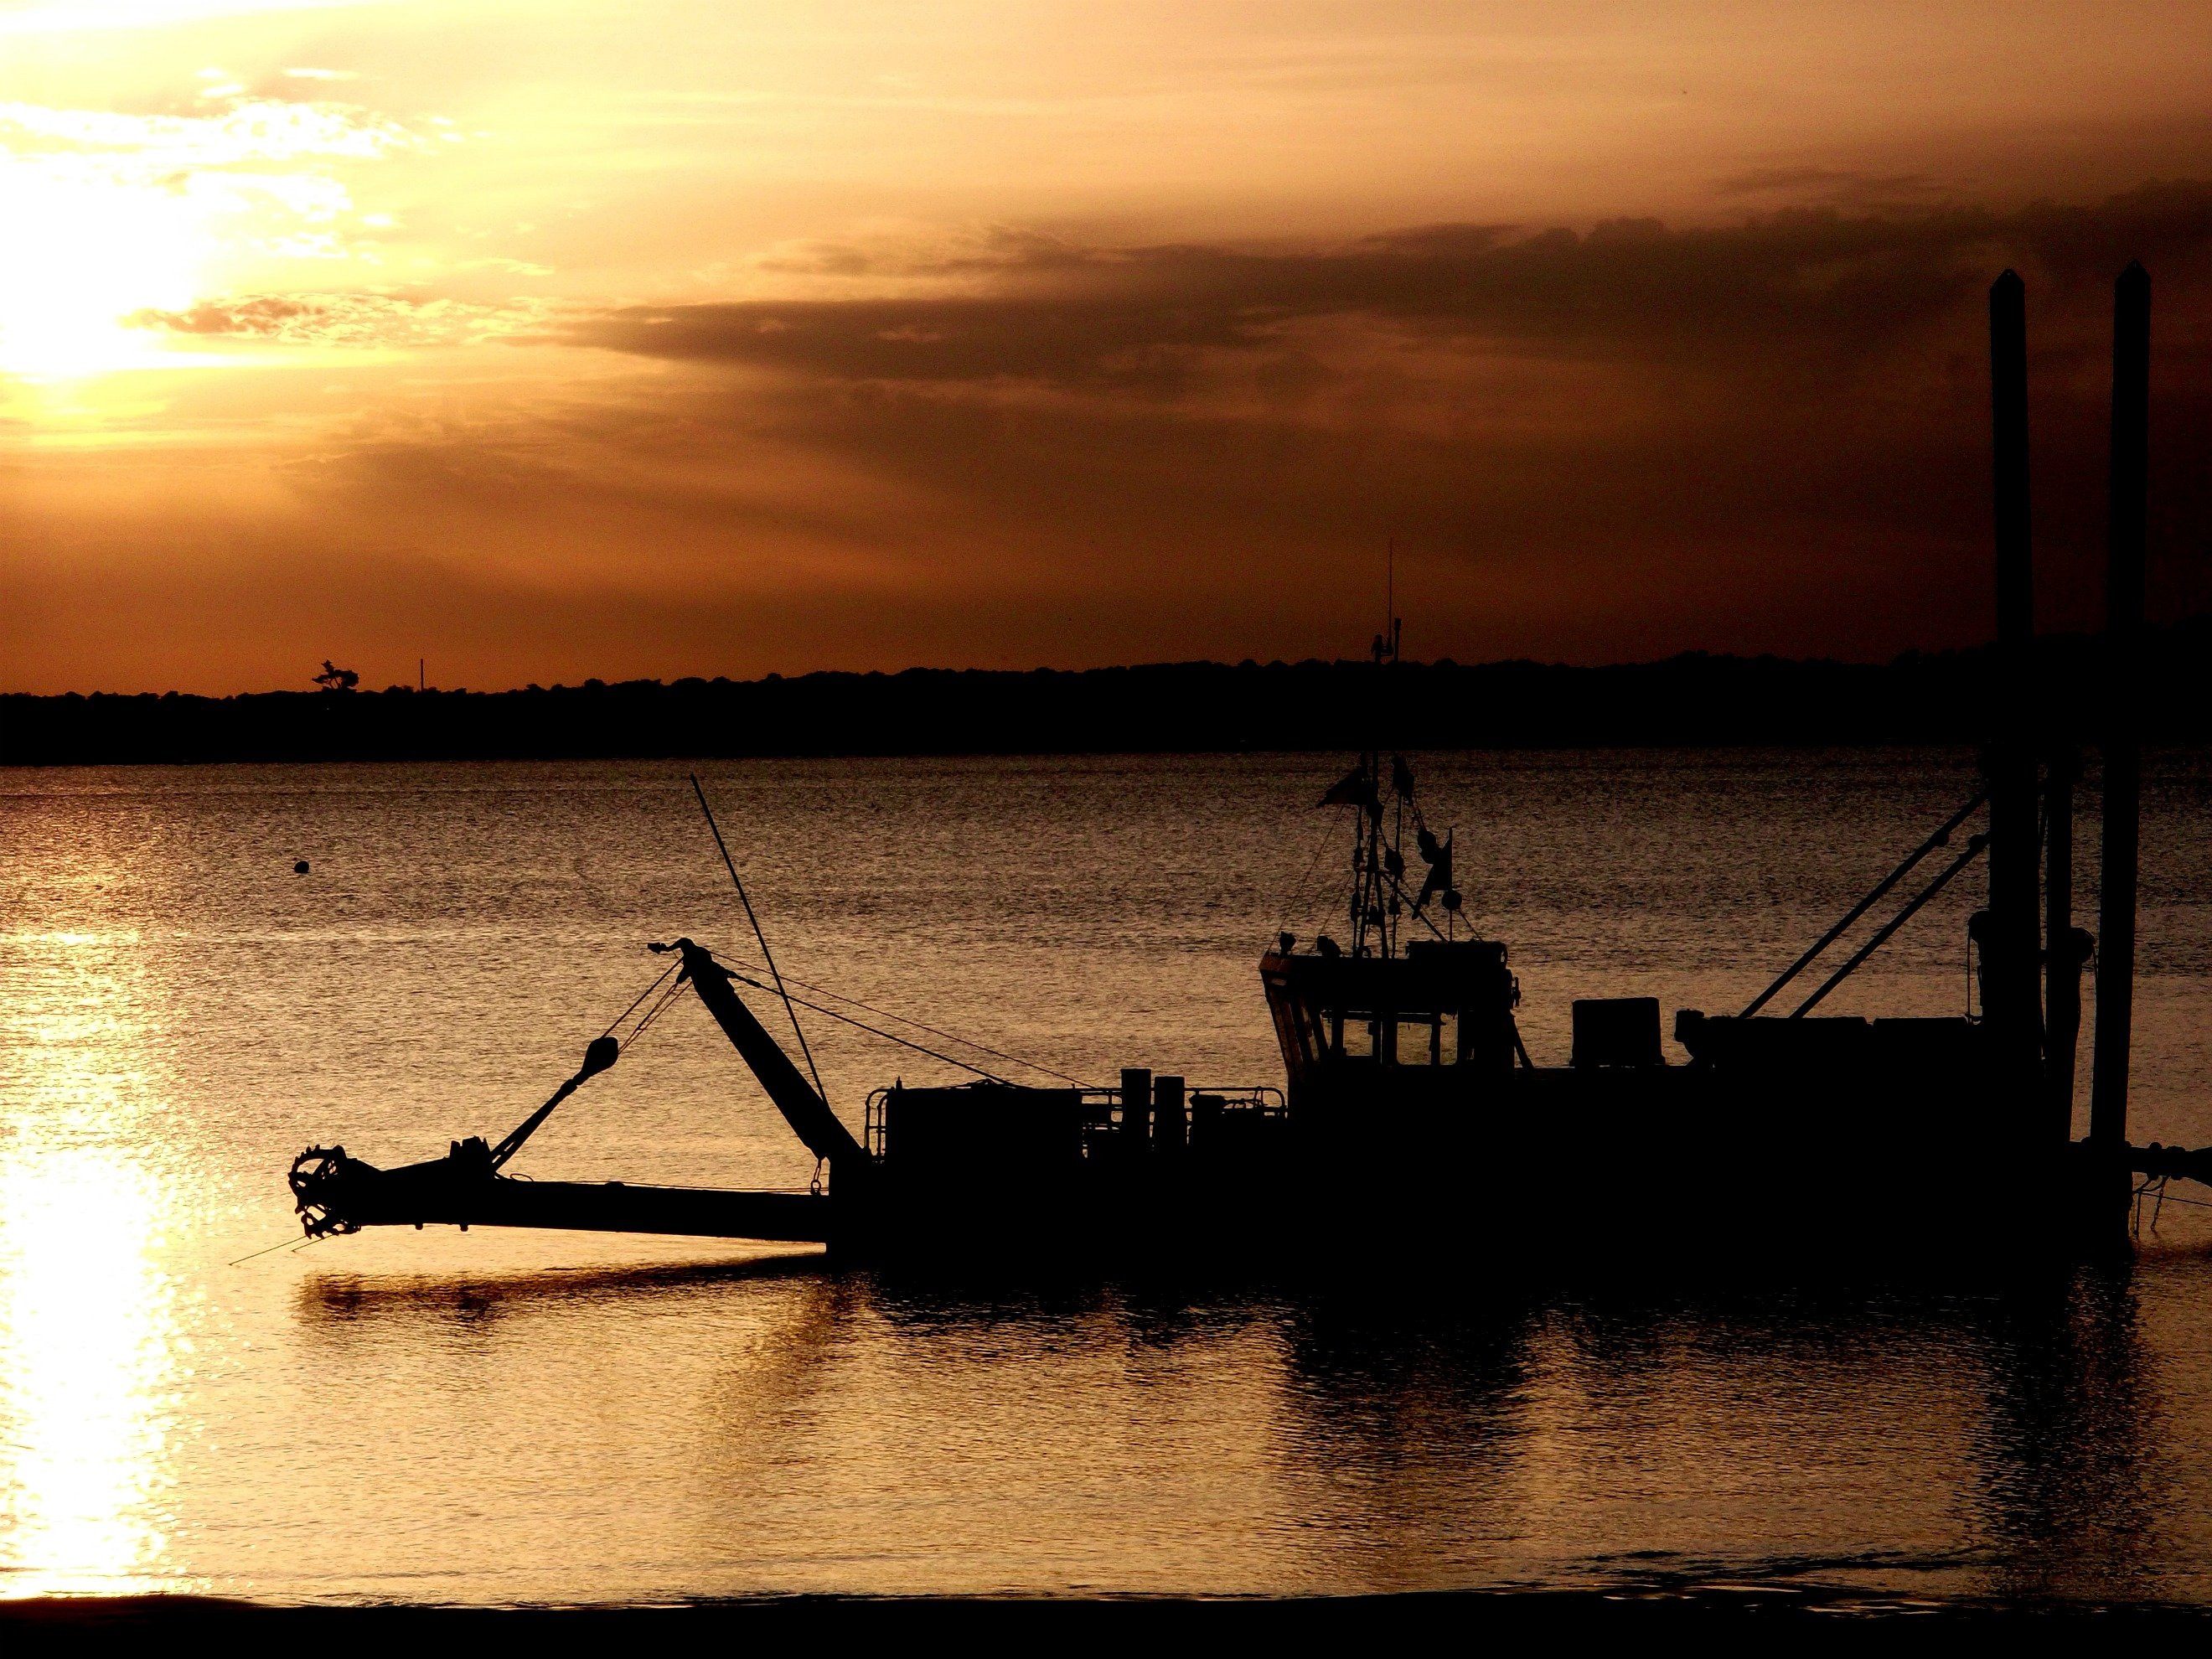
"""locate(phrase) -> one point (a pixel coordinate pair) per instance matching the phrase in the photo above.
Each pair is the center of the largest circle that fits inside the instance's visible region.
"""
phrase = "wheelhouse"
(1440, 1004)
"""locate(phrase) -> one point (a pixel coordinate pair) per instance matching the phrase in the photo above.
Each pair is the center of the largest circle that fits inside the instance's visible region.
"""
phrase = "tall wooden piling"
(2065, 945)
(2012, 996)
(2123, 617)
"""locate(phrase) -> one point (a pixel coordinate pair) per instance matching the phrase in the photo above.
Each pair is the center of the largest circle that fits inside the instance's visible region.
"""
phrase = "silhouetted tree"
(334, 679)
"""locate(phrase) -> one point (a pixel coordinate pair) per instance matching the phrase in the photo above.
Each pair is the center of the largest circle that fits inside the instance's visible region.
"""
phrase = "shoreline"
(1691, 701)
(1768, 1611)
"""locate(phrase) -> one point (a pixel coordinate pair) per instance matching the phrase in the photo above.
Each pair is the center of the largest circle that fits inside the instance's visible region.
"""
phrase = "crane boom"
(808, 1114)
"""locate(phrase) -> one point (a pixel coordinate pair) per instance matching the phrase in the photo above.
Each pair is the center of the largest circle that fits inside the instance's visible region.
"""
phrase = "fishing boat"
(1410, 1116)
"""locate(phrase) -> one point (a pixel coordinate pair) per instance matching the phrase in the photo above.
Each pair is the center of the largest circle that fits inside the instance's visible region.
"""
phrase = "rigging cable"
(1303, 888)
(1941, 838)
(890, 1036)
(730, 864)
(1974, 846)
(641, 996)
(1399, 887)
(919, 1025)
(654, 1013)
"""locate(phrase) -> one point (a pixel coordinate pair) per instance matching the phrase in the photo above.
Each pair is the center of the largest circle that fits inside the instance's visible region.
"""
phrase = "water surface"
(490, 1416)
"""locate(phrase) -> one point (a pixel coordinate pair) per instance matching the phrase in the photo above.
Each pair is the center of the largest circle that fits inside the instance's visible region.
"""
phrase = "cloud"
(375, 321)
(1829, 185)
(1804, 283)
(1598, 445)
(64, 17)
(257, 130)
(1630, 440)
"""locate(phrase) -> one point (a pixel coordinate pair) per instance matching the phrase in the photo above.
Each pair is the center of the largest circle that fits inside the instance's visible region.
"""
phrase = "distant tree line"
(1693, 699)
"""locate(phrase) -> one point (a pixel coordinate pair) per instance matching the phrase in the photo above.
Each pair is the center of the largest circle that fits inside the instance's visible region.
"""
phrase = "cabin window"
(1427, 1039)
(1353, 1034)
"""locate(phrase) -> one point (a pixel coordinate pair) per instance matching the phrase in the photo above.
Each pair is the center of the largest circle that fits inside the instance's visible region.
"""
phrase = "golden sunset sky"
(555, 340)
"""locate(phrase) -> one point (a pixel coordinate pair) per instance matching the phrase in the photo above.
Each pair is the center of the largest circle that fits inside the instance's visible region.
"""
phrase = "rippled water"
(496, 1416)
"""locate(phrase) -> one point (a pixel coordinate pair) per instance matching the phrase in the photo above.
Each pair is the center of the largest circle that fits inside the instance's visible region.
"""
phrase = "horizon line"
(592, 684)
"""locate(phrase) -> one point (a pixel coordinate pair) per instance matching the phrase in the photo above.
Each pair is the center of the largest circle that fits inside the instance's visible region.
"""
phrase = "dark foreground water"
(515, 1417)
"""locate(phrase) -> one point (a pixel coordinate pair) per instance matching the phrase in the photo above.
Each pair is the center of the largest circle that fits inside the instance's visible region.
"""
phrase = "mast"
(1394, 860)
(1378, 868)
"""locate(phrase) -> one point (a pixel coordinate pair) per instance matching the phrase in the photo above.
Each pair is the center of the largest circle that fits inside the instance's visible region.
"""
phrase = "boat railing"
(1104, 1112)
(1263, 1098)
(1107, 1133)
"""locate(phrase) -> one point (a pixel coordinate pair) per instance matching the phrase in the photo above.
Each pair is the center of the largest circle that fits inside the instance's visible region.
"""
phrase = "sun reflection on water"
(510, 1416)
(89, 1324)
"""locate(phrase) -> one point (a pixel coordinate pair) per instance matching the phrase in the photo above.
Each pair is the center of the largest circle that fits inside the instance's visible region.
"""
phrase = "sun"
(86, 253)
(112, 216)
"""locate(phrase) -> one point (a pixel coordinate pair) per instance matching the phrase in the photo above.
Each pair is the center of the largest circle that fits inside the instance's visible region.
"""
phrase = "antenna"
(767, 955)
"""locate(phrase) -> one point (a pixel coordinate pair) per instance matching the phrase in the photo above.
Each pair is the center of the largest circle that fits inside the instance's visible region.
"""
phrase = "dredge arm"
(335, 1193)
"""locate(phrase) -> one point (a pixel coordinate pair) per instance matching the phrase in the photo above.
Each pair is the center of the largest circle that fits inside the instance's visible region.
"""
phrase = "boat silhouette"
(1410, 1116)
